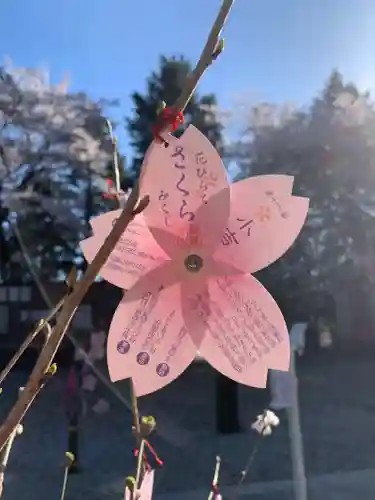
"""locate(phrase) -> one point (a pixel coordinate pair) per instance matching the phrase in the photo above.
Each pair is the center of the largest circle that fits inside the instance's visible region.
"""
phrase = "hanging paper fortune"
(186, 263)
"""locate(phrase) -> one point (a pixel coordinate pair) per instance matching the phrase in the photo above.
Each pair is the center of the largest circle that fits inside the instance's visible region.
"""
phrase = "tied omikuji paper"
(186, 263)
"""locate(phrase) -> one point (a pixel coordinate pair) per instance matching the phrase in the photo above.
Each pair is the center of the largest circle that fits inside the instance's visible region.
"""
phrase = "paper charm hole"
(193, 263)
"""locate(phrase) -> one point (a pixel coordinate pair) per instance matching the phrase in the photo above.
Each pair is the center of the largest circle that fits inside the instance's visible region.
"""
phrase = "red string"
(168, 118)
(153, 453)
(145, 461)
(110, 193)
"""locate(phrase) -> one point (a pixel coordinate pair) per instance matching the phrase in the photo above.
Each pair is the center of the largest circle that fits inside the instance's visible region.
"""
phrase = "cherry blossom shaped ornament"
(186, 264)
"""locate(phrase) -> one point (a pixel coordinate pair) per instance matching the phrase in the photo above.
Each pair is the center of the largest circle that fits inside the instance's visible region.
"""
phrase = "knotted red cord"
(153, 453)
(111, 193)
(167, 118)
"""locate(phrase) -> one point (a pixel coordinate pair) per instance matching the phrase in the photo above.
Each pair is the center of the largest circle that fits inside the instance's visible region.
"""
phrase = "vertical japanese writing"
(200, 159)
(246, 224)
(163, 196)
(256, 329)
(206, 179)
(230, 237)
(179, 153)
(179, 163)
(141, 314)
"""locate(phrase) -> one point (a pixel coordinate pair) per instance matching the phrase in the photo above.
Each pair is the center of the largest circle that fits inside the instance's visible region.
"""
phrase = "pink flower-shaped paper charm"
(186, 264)
(146, 489)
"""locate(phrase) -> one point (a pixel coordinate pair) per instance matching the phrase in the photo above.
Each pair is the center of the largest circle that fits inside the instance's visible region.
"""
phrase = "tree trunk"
(227, 418)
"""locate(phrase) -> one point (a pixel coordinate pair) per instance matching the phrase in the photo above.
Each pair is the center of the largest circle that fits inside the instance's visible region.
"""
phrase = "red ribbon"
(168, 118)
(111, 192)
(153, 453)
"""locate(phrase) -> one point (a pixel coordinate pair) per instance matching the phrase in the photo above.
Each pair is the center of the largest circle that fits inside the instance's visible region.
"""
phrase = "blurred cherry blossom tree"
(54, 155)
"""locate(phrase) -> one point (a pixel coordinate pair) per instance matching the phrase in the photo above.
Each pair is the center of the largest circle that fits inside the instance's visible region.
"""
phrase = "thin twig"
(139, 473)
(135, 414)
(249, 463)
(209, 54)
(29, 339)
(65, 482)
(4, 455)
(133, 397)
(116, 169)
(69, 456)
(132, 207)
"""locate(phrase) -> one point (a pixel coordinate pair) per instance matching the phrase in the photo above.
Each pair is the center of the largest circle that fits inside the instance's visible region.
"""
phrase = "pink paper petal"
(134, 255)
(158, 279)
(146, 488)
(246, 332)
(174, 246)
(211, 219)
(179, 179)
(261, 227)
(202, 235)
(194, 288)
(193, 296)
(148, 340)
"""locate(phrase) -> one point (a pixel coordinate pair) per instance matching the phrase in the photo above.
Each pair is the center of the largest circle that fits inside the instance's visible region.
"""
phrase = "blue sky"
(275, 49)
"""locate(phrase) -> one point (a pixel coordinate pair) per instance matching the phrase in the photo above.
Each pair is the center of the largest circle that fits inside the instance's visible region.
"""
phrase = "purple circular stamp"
(162, 369)
(143, 358)
(123, 347)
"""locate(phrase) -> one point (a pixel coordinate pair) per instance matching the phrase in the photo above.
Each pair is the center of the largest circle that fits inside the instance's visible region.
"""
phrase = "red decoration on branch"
(111, 193)
(145, 458)
(168, 118)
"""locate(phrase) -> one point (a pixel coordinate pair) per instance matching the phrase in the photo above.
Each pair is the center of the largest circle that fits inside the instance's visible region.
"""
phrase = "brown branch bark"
(4, 455)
